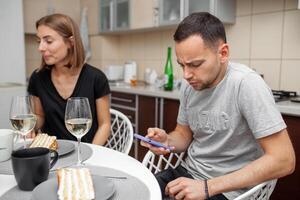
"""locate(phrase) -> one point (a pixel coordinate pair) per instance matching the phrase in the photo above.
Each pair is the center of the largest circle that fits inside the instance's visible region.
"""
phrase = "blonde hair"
(67, 28)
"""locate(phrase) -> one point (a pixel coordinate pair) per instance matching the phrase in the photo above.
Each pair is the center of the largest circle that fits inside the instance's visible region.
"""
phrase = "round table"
(109, 158)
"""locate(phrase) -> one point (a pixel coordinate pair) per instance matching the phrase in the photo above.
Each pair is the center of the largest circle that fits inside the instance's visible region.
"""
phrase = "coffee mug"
(6, 143)
(31, 166)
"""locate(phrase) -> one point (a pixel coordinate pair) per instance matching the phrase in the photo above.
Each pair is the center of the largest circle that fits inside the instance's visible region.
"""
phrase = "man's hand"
(186, 188)
(158, 135)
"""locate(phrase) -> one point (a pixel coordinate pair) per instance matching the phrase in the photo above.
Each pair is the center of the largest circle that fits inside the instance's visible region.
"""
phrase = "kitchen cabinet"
(147, 117)
(143, 14)
(35, 9)
(173, 11)
(156, 112)
(144, 112)
(133, 15)
(289, 185)
(127, 104)
(170, 113)
(114, 15)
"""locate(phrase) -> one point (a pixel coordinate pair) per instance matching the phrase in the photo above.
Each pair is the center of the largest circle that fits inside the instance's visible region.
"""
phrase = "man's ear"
(224, 52)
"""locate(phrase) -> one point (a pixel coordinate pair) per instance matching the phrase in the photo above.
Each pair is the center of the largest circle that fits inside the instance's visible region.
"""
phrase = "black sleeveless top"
(92, 83)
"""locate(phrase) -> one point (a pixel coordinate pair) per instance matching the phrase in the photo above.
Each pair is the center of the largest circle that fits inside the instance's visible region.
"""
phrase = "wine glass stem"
(79, 152)
(24, 138)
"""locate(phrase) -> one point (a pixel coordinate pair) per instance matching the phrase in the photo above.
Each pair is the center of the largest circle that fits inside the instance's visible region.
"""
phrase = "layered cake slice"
(75, 184)
(44, 140)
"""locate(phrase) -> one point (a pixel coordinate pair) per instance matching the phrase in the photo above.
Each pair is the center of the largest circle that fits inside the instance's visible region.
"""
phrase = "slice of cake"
(44, 140)
(75, 184)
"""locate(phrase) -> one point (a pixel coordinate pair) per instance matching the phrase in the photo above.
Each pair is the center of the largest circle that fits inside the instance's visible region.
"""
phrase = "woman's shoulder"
(39, 73)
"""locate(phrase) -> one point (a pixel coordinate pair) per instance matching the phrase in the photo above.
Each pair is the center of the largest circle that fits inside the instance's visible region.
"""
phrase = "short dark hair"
(206, 25)
(65, 27)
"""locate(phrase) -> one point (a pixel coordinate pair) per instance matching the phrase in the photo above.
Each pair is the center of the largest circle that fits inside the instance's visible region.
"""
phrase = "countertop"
(146, 90)
(285, 107)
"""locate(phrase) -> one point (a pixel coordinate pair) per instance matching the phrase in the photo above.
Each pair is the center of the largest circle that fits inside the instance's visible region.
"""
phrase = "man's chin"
(199, 87)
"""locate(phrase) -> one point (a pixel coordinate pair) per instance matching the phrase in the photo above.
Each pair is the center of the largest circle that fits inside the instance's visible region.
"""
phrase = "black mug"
(31, 166)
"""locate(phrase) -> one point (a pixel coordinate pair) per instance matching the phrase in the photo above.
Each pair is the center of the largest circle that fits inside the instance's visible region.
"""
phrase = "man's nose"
(187, 74)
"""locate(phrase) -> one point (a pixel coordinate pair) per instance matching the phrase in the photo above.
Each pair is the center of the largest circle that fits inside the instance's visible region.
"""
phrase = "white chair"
(262, 191)
(157, 163)
(121, 137)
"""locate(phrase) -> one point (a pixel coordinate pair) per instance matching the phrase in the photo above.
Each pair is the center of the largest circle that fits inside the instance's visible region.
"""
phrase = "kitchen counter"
(146, 90)
(289, 108)
(285, 107)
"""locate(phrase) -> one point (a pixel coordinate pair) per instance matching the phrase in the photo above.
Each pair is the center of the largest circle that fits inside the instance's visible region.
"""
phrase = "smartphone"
(152, 142)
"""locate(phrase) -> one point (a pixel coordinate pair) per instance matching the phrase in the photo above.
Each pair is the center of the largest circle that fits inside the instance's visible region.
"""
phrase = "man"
(228, 122)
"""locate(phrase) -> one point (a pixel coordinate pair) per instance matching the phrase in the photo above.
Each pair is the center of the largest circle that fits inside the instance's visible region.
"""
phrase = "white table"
(105, 157)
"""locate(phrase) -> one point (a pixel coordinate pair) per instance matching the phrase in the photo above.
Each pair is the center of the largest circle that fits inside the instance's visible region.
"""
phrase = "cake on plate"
(44, 140)
(75, 184)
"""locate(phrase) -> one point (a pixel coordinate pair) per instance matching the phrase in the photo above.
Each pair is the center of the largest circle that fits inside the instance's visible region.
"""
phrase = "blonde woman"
(63, 74)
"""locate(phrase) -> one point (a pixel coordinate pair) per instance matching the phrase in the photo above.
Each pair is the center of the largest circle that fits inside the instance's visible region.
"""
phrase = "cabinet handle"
(121, 99)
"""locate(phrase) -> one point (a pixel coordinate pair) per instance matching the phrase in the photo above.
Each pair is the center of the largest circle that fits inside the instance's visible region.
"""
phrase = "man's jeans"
(170, 174)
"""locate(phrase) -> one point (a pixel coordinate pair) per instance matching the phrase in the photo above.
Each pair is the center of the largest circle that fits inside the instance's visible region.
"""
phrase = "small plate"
(65, 147)
(103, 187)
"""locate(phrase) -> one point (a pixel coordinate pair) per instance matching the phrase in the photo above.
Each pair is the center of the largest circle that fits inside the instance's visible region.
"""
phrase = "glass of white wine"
(78, 120)
(21, 116)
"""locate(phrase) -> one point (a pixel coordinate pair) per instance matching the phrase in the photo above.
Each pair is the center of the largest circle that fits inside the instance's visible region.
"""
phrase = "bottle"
(169, 72)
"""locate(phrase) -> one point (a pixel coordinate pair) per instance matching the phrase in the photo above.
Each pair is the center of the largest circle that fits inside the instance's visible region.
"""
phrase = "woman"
(64, 74)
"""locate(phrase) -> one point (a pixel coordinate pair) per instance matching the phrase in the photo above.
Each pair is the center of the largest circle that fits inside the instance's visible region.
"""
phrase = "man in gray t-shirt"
(228, 122)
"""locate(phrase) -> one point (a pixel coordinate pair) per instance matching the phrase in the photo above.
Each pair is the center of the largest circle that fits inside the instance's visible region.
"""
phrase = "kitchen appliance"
(282, 95)
(130, 69)
(114, 72)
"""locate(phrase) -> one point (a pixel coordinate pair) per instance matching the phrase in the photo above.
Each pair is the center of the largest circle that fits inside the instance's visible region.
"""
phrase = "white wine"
(78, 126)
(23, 123)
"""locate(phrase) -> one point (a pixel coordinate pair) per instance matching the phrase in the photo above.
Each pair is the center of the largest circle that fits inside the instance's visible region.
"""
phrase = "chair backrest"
(157, 163)
(121, 137)
(262, 191)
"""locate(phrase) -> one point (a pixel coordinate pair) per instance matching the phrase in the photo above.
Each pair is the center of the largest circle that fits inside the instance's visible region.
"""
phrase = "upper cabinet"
(114, 15)
(173, 11)
(129, 15)
(143, 14)
(170, 11)
(35, 9)
(223, 9)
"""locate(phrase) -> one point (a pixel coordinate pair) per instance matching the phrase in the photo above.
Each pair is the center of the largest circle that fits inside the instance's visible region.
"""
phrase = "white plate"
(103, 187)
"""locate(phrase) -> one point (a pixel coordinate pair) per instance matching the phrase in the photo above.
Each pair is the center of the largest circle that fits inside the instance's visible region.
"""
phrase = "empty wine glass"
(78, 120)
(21, 116)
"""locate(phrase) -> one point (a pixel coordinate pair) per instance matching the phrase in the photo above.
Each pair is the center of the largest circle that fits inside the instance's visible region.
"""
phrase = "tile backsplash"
(266, 37)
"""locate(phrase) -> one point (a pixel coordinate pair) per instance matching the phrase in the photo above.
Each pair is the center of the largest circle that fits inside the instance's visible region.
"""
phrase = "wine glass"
(78, 120)
(21, 116)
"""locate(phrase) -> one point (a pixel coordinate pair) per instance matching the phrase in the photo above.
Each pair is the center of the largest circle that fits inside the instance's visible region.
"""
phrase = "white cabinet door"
(114, 15)
(143, 14)
(170, 11)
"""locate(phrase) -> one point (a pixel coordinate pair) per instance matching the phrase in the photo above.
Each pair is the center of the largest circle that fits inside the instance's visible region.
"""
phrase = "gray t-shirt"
(226, 121)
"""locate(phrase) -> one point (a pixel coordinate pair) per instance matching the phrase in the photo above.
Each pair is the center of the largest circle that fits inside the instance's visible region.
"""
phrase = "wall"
(12, 53)
(266, 36)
